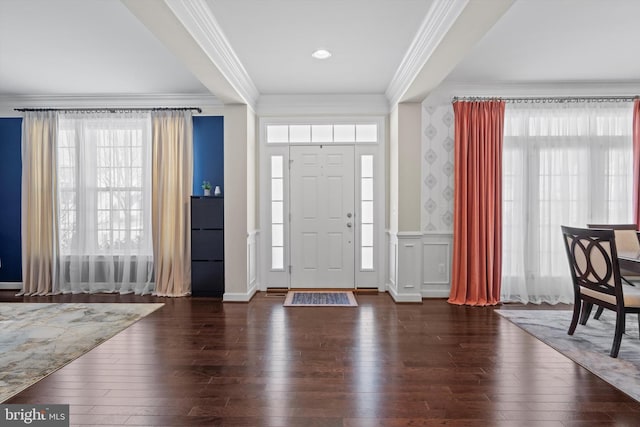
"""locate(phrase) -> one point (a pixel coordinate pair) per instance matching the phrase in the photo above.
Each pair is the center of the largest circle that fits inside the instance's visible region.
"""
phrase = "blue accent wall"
(208, 152)
(10, 183)
(208, 163)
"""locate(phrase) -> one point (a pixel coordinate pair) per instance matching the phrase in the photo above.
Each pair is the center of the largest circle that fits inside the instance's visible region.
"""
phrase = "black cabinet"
(207, 246)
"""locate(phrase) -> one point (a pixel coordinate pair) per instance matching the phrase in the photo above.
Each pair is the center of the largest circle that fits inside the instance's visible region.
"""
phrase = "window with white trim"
(366, 212)
(322, 133)
(563, 164)
(277, 212)
(104, 183)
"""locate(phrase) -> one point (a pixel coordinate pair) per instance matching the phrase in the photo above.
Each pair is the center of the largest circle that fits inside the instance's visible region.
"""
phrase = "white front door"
(322, 216)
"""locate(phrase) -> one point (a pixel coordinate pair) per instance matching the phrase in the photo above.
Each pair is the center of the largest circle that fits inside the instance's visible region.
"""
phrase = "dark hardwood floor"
(199, 362)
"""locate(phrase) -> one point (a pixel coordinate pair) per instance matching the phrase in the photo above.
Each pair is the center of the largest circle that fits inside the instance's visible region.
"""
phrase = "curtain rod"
(109, 110)
(543, 100)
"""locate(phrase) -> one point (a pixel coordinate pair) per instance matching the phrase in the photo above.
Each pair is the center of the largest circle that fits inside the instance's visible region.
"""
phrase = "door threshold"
(324, 289)
(367, 291)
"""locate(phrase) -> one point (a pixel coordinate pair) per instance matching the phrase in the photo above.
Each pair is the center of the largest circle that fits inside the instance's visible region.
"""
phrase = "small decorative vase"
(217, 191)
(207, 191)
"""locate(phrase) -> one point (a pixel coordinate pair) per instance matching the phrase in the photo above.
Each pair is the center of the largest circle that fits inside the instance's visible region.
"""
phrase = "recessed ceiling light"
(321, 54)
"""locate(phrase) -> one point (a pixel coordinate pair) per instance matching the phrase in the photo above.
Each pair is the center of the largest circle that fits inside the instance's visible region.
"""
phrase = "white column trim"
(252, 259)
(251, 273)
(198, 20)
(440, 17)
(438, 233)
(392, 262)
(409, 268)
(239, 297)
(409, 234)
(405, 297)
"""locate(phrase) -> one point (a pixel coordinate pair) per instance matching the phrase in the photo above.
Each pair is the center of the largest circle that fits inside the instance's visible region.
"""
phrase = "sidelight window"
(277, 212)
(366, 212)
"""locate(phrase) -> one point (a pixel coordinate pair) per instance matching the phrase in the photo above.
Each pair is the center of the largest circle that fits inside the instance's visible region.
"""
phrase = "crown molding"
(9, 102)
(316, 104)
(440, 17)
(198, 20)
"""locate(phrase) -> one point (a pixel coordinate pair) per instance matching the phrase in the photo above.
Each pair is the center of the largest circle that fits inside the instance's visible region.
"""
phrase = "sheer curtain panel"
(104, 192)
(563, 164)
(636, 163)
(172, 186)
(39, 204)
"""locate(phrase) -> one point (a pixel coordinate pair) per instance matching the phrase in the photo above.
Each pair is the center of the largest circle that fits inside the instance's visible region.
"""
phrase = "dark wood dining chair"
(628, 246)
(593, 261)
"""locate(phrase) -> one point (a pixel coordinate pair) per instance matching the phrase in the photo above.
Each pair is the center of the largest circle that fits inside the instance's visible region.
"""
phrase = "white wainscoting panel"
(419, 265)
(437, 251)
(409, 274)
(252, 272)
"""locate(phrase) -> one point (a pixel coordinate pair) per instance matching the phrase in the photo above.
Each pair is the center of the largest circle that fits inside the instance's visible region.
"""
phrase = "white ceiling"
(84, 47)
(551, 41)
(274, 41)
(98, 47)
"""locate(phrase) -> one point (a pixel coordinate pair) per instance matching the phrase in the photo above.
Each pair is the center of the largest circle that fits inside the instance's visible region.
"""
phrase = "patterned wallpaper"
(437, 167)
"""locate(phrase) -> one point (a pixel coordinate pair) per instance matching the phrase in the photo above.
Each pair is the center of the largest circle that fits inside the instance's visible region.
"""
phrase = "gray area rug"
(38, 339)
(590, 344)
(315, 298)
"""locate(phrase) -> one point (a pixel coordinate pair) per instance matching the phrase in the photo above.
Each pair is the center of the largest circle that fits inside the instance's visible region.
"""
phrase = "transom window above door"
(322, 133)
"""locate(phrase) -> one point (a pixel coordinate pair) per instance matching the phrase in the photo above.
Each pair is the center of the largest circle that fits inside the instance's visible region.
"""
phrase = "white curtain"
(563, 164)
(172, 161)
(104, 193)
(39, 202)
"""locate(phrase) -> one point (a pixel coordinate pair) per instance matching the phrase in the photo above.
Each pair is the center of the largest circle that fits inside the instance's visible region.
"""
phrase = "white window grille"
(366, 212)
(322, 133)
(277, 212)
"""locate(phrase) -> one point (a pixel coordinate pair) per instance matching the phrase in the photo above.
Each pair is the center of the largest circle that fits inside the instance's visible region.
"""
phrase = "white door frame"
(270, 277)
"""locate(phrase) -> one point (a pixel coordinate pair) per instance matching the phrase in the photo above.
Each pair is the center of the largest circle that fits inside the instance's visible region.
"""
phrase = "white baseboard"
(405, 297)
(435, 293)
(11, 285)
(238, 296)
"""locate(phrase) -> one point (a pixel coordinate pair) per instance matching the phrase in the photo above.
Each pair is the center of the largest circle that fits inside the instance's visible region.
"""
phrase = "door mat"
(320, 299)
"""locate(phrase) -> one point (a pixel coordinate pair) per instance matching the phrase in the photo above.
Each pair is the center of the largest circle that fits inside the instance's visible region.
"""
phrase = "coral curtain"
(477, 233)
(172, 165)
(39, 203)
(636, 162)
